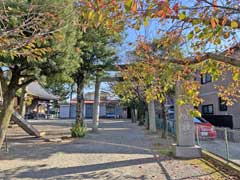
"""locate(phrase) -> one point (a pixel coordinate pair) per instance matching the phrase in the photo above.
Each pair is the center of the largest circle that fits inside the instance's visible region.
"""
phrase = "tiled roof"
(35, 89)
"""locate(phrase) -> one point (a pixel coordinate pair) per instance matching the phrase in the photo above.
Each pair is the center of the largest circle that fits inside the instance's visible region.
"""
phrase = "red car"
(204, 129)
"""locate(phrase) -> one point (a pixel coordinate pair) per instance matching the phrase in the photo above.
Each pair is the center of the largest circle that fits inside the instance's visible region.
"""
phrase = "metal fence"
(171, 126)
(225, 143)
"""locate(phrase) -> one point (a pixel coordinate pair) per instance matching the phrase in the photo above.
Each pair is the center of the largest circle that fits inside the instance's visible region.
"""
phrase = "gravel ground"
(119, 151)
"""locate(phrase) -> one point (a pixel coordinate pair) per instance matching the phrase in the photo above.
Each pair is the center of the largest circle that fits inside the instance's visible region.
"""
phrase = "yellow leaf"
(180, 102)
(145, 22)
(190, 35)
(195, 113)
(128, 4)
(100, 18)
(197, 29)
(182, 16)
(234, 24)
(90, 14)
(235, 76)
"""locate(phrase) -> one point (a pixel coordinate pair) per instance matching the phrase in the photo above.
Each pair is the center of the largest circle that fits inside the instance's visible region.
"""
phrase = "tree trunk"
(132, 118)
(23, 97)
(164, 117)
(96, 105)
(6, 113)
(133, 115)
(140, 116)
(146, 119)
(70, 104)
(80, 100)
(152, 118)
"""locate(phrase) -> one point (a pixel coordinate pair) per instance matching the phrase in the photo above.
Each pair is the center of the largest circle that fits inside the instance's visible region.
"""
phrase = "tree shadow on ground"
(93, 171)
(43, 151)
(114, 137)
(118, 141)
(78, 172)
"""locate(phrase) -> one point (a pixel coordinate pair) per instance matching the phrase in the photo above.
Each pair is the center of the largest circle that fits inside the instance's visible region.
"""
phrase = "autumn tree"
(156, 77)
(132, 93)
(208, 28)
(203, 23)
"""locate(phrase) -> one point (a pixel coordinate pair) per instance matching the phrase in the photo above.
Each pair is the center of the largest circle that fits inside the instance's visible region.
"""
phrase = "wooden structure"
(42, 99)
(27, 127)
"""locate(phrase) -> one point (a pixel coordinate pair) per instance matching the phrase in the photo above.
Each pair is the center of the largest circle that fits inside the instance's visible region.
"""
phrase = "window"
(222, 105)
(205, 78)
(207, 109)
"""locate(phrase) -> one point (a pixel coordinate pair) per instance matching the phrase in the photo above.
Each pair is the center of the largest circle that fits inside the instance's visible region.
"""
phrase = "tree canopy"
(206, 26)
(31, 33)
(65, 42)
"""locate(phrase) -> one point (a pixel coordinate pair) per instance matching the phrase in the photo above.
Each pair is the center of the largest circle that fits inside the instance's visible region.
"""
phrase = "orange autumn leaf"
(224, 20)
(198, 57)
(161, 14)
(175, 8)
(213, 23)
(134, 6)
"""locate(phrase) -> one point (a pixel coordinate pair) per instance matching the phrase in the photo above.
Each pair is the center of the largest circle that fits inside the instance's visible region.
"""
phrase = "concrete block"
(187, 152)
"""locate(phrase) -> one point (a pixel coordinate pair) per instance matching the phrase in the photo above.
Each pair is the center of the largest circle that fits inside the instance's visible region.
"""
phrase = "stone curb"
(229, 165)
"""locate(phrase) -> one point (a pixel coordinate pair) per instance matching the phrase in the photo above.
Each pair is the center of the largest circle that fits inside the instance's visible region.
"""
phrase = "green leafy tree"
(30, 31)
(132, 94)
(97, 52)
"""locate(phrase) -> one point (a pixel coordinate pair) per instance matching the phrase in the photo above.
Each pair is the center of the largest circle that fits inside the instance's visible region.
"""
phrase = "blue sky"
(149, 32)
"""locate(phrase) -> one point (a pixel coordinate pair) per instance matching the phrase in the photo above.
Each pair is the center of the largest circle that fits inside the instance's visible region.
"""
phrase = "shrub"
(78, 130)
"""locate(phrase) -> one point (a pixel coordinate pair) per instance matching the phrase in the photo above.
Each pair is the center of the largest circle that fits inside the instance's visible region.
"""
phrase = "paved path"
(219, 147)
(119, 151)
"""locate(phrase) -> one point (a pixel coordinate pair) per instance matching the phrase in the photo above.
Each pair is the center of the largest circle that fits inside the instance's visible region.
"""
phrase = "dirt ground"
(119, 151)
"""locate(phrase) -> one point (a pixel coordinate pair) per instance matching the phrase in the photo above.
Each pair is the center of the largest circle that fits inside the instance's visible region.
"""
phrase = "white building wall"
(84, 110)
(102, 110)
(64, 111)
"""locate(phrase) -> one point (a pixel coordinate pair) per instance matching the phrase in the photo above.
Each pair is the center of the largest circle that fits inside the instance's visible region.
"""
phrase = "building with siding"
(109, 107)
(213, 108)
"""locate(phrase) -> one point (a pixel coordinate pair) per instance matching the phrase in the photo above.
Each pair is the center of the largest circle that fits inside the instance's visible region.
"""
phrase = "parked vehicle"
(204, 129)
(110, 115)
